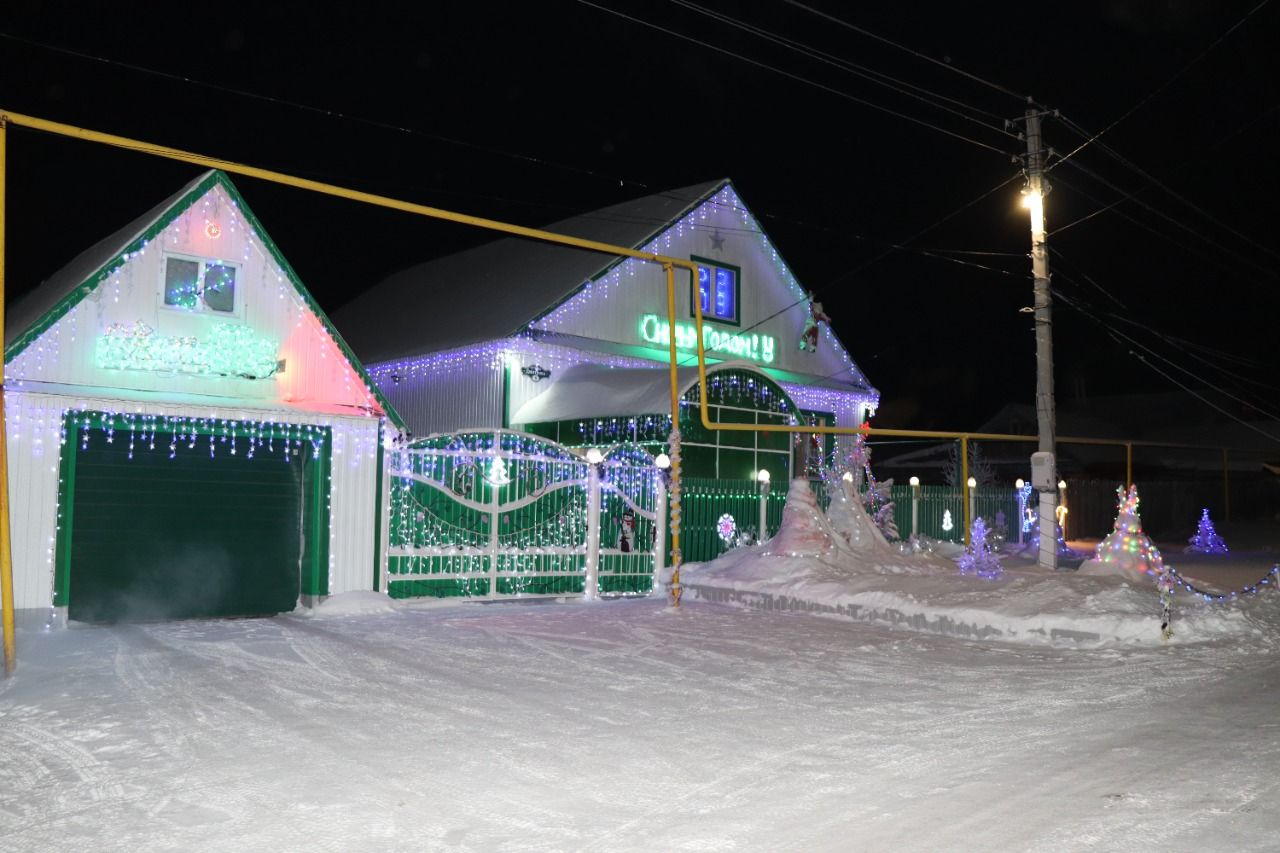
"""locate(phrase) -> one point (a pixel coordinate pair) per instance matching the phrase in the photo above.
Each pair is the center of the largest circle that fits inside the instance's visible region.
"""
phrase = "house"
(188, 434)
(572, 347)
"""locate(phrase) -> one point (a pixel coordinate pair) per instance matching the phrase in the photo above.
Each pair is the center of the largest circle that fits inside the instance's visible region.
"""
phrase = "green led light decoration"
(749, 345)
(230, 350)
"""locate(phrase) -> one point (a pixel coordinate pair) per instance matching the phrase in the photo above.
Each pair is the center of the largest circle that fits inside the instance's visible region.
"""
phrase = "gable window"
(719, 290)
(200, 284)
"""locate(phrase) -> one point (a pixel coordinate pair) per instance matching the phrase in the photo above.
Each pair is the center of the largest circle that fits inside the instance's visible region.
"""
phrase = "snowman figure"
(627, 532)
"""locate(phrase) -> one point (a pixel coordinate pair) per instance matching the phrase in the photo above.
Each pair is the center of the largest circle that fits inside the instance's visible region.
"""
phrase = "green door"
(146, 536)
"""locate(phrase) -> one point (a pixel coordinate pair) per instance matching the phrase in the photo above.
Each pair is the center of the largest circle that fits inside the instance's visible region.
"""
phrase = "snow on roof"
(28, 311)
(493, 291)
(598, 391)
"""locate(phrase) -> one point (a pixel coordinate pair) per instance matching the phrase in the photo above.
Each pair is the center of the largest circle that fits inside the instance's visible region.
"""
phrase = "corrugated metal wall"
(451, 398)
(34, 433)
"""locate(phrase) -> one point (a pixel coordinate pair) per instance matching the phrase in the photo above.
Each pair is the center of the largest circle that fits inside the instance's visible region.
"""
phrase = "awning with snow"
(598, 391)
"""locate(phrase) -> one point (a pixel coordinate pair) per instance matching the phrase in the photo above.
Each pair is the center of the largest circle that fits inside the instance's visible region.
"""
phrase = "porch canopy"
(598, 391)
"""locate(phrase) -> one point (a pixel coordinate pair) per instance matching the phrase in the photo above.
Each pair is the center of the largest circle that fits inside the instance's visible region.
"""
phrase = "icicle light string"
(1267, 581)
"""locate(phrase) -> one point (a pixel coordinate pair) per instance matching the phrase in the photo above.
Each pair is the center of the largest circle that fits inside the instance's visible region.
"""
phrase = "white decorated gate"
(498, 513)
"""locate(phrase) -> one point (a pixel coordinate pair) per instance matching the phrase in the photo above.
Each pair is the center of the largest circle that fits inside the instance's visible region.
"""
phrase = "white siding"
(771, 300)
(34, 434)
(316, 374)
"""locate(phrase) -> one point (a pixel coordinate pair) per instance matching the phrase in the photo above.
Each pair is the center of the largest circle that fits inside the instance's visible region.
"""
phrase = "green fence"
(941, 511)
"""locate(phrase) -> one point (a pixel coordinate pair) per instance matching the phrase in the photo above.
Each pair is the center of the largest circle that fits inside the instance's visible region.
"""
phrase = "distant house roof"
(495, 290)
(40, 309)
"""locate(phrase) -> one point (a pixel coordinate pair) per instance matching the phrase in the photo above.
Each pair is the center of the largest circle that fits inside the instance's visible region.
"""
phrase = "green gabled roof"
(52, 300)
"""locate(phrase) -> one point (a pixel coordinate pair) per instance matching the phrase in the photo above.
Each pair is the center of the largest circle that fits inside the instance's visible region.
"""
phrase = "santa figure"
(809, 338)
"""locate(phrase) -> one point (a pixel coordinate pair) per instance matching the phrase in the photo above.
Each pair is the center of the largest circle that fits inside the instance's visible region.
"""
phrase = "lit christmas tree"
(1127, 547)
(1207, 540)
(1063, 549)
(979, 558)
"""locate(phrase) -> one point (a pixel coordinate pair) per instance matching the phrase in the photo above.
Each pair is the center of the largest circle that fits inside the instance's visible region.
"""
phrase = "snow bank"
(1025, 606)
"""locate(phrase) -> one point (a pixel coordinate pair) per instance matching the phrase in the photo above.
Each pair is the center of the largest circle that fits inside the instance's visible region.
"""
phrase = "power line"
(833, 19)
(1170, 219)
(323, 111)
(1116, 335)
(1253, 120)
(1197, 208)
(878, 77)
(895, 247)
(1089, 140)
(829, 89)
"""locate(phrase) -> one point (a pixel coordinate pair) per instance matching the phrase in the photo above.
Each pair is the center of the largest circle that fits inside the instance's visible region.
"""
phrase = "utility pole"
(1033, 199)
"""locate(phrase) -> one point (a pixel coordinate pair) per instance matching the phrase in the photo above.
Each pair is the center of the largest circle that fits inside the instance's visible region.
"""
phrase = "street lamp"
(915, 505)
(973, 487)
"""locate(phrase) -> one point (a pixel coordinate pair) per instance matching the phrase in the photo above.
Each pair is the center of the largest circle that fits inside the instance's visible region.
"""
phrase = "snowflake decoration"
(727, 528)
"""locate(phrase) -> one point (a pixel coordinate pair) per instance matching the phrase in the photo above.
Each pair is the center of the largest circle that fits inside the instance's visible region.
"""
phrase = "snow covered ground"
(620, 725)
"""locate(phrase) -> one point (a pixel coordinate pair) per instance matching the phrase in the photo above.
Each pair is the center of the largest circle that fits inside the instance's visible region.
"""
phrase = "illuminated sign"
(748, 345)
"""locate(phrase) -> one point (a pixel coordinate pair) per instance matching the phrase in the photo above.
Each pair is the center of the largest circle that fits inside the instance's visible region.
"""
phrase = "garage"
(152, 533)
(189, 436)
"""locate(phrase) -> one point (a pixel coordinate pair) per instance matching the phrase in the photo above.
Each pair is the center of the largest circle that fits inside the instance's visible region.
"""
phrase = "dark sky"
(531, 112)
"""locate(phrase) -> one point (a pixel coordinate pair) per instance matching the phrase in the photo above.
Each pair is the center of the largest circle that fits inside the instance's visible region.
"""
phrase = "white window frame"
(237, 310)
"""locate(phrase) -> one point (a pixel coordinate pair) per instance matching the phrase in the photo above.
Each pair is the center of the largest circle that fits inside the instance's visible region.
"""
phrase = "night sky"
(533, 112)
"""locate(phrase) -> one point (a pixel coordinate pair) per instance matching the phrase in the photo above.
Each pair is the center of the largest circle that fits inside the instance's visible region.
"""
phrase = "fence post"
(592, 584)
(964, 480)
(763, 532)
(660, 531)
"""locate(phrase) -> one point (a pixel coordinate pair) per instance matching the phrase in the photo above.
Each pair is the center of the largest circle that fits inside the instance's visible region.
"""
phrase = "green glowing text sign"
(748, 345)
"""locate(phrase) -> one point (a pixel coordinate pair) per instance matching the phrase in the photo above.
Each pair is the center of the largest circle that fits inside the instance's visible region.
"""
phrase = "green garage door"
(148, 536)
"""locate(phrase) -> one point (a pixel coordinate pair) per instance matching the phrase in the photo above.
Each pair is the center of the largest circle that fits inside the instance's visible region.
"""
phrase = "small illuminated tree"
(1206, 540)
(979, 557)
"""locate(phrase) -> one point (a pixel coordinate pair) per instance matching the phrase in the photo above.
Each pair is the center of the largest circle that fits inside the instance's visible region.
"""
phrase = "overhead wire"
(792, 76)
(878, 77)
(901, 245)
(865, 32)
(1117, 336)
(1179, 197)
(1166, 217)
(1089, 140)
(323, 111)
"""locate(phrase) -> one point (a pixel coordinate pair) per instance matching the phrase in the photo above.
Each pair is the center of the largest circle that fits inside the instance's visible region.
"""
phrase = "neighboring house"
(573, 345)
(188, 434)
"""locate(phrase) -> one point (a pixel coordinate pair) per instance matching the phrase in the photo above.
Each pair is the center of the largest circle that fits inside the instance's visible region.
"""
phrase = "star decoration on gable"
(717, 240)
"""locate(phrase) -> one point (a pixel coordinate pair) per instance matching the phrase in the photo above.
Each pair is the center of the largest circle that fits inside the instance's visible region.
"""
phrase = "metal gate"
(500, 514)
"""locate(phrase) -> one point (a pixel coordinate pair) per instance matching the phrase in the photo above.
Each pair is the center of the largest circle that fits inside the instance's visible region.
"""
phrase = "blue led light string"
(1260, 585)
